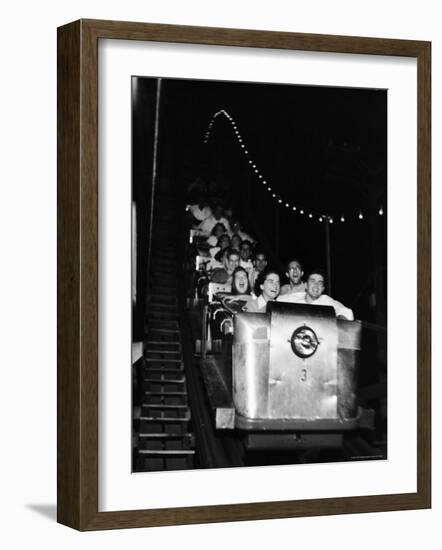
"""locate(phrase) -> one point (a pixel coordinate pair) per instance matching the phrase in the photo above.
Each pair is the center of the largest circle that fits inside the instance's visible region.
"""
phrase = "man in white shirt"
(205, 227)
(313, 294)
(294, 273)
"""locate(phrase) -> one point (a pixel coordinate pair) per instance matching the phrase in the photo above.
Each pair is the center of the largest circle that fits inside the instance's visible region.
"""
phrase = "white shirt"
(213, 264)
(323, 300)
(212, 240)
(258, 305)
(199, 213)
(253, 274)
(206, 226)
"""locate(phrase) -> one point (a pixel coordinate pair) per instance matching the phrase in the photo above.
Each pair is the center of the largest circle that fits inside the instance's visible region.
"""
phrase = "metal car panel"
(349, 345)
(250, 364)
(302, 374)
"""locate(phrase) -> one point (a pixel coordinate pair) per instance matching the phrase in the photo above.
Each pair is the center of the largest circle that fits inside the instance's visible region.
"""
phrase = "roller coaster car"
(286, 376)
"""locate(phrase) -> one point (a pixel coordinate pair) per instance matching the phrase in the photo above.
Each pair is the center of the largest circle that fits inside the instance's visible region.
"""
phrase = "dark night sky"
(322, 149)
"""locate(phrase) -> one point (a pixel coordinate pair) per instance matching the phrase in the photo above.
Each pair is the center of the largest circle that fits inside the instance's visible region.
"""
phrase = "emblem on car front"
(304, 342)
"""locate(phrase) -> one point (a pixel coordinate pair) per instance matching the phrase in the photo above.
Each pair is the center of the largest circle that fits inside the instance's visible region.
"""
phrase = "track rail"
(163, 434)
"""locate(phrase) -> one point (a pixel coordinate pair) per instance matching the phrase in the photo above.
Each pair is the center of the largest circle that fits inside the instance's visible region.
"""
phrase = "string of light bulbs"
(259, 175)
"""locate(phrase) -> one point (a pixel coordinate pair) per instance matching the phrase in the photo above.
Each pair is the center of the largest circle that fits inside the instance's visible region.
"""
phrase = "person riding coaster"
(227, 304)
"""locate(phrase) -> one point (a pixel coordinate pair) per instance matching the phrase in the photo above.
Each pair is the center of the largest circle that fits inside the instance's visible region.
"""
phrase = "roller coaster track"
(164, 439)
(171, 390)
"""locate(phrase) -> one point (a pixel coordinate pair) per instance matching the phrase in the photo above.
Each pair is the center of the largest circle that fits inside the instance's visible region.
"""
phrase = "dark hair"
(220, 254)
(231, 251)
(235, 235)
(235, 271)
(261, 279)
(223, 236)
(246, 241)
(316, 271)
(259, 253)
(293, 260)
(218, 225)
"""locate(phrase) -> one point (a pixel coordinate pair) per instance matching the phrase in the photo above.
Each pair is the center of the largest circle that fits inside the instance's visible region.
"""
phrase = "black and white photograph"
(259, 274)
(220, 236)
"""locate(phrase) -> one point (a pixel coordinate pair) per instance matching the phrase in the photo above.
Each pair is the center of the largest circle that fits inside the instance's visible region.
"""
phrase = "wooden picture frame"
(78, 274)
